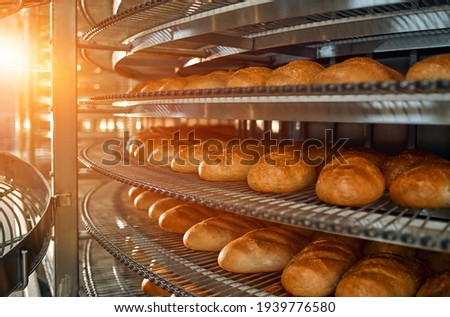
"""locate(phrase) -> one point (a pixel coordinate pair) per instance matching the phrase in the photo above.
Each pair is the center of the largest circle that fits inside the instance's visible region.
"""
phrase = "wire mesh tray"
(421, 102)
(383, 220)
(138, 242)
(25, 221)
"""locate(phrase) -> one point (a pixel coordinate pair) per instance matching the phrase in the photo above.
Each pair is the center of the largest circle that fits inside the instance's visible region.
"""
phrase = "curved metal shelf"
(104, 275)
(25, 221)
(259, 32)
(136, 241)
(382, 220)
(389, 102)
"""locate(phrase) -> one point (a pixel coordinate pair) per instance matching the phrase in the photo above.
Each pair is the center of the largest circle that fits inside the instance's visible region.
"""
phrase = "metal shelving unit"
(181, 38)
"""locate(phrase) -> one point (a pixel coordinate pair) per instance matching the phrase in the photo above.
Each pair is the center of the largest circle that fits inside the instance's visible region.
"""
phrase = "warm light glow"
(27, 124)
(12, 53)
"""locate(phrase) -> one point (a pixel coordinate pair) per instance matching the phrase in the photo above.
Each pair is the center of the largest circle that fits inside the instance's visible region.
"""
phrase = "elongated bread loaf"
(134, 191)
(436, 285)
(316, 270)
(214, 233)
(382, 274)
(432, 68)
(161, 206)
(281, 172)
(356, 70)
(151, 289)
(145, 199)
(249, 77)
(262, 250)
(180, 218)
(297, 72)
(229, 165)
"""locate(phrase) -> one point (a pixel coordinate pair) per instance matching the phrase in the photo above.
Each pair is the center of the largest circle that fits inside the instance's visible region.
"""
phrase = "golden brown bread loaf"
(426, 185)
(374, 247)
(298, 72)
(216, 79)
(229, 165)
(137, 88)
(134, 191)
(188, 159)
(262, 250)
(281, 172)
(154, 85)
(249, 77)
(432, 68)
(177, 83)
(436, 285)
(354, 181)
(382, 274)
(145, 199)
(316, 270)
(214, 233)
(180, 218)
(397, 164)
(151, 289)
(356, 70)
(161, 206)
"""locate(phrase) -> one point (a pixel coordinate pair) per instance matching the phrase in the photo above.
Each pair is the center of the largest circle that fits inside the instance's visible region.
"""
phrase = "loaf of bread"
(188, 159)
(154, 85)
(281, 172)
(374, 247)
(436, 285)
(426, 185)
(382, 274)
(399, 163)
(216, 79)
(144, 200)
(350, 180)
(249, 77)
(180, 218)
(214, 233)
(134, 191)
(316, 270)
(356, 70)
(151, 289)
(432, 68)
(298, 72)
(262, 250)
(161, 206)
(177, 83)
(229, 165)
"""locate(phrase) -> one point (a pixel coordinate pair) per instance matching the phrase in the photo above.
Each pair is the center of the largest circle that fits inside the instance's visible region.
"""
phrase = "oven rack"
(173, 35)
(382, 220)
(137, 242)
(412, 102)
(104, 275)
(25, 222)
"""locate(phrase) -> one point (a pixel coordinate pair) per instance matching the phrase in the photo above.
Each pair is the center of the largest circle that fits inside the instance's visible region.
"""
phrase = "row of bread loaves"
(299, 72)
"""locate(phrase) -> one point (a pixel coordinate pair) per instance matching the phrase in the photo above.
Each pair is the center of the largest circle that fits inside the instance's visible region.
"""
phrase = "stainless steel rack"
(388, 102)
(25, 222)
(194, 35)
(382, 220)
(137, 242)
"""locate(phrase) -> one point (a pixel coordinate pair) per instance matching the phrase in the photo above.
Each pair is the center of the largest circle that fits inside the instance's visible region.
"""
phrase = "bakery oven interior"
(106, 247)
